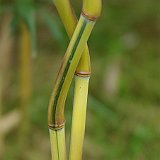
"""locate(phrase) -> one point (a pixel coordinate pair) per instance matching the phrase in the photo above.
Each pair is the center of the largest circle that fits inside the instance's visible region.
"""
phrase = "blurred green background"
(124, 97)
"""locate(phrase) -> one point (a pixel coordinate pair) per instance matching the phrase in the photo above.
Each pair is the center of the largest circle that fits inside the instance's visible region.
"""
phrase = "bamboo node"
(83, 74)
(56, 126)
(90, 18)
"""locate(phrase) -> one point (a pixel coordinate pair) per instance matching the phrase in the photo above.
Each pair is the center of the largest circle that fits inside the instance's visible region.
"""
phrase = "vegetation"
(124, 98)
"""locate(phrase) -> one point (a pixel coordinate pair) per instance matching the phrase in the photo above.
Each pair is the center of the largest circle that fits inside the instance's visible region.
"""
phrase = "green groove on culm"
(57, 144)
(67, 66)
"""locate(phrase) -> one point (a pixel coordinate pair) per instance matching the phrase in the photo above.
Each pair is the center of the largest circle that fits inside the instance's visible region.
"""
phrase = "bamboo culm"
(76, 60)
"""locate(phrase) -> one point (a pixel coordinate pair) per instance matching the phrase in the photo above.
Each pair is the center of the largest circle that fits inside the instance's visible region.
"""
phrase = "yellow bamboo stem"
(92, 8)
(56, 108)
(56, 120)
(58, 146)
(25, 80)
(65, 76)
(69, 20)
(78, 117)
(25, 65)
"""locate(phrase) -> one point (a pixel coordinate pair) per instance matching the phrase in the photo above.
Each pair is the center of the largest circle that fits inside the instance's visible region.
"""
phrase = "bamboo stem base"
(58, 146)
(78, 117)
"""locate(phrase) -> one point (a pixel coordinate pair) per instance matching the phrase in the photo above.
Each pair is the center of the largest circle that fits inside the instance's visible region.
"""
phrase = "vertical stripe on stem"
(58, 146)
(78, 117)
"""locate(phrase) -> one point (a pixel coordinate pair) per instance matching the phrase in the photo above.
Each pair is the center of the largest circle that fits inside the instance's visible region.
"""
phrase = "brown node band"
(56, 126)
(91, 18)
(83, 74)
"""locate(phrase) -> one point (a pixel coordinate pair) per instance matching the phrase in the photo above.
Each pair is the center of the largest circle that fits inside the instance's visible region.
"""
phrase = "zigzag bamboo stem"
(70, 62)
(69, 20)
(83, 70)
(73, 54)
(57, 102)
